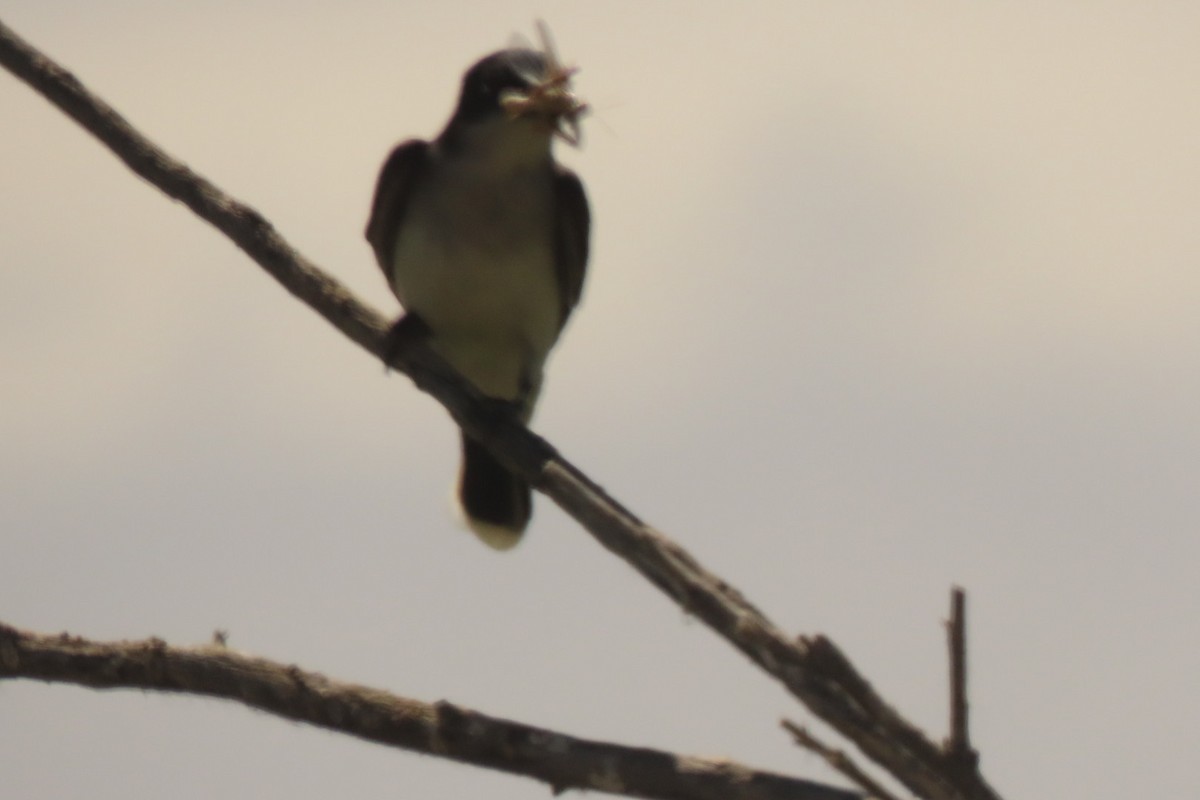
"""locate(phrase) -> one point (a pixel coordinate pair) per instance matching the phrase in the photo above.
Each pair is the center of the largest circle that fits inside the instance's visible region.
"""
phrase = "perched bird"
(483, 238)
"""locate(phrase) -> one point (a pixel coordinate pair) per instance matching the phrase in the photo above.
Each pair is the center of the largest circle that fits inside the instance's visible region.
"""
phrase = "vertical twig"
(958, 746)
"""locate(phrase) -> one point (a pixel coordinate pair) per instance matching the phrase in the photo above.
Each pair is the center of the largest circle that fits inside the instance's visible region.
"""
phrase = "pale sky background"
(883, 298)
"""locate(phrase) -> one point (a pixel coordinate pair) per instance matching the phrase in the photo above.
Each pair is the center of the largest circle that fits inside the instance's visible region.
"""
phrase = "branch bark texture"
(812, 669)
(439, 729)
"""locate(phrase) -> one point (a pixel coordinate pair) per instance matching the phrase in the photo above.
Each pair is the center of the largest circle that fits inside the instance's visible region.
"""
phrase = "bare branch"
(958, 745)
(814, 670)
(439, 729)
(838, 760)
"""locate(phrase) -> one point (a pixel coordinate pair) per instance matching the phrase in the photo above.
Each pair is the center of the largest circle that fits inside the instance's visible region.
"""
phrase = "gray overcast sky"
(883, 298)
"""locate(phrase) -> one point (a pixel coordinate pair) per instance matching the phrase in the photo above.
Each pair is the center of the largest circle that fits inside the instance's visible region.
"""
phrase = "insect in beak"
(549, 97)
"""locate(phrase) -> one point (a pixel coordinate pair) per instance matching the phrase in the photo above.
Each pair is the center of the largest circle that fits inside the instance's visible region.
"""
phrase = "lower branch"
(439, 729)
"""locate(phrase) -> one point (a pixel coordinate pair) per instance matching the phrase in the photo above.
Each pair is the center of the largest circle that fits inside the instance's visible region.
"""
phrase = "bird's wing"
(572, 228)
(403, 168)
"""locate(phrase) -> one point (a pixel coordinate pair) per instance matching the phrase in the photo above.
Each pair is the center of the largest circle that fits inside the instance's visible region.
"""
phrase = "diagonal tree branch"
(439, 729)
(812, 669)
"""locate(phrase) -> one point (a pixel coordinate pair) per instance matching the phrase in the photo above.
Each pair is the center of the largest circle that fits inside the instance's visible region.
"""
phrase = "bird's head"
(521, 86)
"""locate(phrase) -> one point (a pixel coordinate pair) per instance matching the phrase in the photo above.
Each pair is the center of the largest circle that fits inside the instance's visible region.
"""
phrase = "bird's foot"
(497, 410)
(406, 330)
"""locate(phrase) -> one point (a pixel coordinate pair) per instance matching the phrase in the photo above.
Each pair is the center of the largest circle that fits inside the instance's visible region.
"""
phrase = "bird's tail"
(497, 504)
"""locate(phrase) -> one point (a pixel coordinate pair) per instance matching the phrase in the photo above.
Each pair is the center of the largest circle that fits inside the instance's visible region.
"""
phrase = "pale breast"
(475, 260)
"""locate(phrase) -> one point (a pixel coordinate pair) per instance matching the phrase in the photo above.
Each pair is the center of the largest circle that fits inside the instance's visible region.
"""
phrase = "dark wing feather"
(572, 229)
(403, 168)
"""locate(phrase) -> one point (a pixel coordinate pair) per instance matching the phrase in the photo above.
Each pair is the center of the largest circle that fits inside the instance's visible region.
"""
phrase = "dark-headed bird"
(483, 238)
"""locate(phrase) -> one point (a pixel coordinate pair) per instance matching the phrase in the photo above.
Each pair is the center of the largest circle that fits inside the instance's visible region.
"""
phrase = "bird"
(483, 236)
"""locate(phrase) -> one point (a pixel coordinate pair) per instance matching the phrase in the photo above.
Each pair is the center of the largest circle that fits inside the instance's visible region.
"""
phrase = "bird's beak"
(549, 100)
